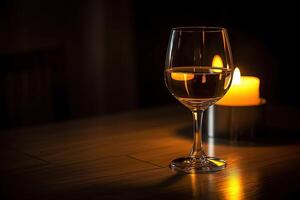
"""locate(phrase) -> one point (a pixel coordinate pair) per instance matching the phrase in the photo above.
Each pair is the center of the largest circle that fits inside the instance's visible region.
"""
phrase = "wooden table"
(126, 156)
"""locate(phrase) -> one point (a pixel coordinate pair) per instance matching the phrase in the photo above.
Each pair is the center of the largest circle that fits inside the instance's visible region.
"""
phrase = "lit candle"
(244, 91)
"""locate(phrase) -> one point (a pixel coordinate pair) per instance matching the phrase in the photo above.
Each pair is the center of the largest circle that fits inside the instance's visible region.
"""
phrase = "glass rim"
(199, 29)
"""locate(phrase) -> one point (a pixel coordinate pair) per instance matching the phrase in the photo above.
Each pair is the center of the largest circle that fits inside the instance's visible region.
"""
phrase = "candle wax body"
(245, 93)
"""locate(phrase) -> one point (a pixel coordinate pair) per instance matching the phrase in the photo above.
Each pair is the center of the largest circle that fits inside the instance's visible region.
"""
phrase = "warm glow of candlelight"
(234, 187)
(236, 76)
(217, 61)
(182, 76)
(244, 91)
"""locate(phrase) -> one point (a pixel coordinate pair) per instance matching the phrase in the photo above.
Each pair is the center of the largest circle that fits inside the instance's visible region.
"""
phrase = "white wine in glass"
(198, 72)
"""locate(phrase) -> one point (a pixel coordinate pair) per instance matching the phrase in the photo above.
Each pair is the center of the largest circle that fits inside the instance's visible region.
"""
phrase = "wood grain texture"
(126, 156)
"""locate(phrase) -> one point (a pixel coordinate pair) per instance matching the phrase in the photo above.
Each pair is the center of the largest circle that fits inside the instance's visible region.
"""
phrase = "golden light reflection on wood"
(84, 161)
(235, 188)
(194, 184)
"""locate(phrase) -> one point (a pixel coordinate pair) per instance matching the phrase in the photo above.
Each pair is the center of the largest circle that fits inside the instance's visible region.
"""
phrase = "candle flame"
(236, 76)
(217, 61)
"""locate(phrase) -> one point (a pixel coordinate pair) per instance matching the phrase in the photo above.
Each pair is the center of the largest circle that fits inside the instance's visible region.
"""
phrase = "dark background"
(71, 59)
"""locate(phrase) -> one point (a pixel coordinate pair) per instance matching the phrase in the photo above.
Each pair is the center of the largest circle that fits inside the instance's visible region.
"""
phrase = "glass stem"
(197, 150)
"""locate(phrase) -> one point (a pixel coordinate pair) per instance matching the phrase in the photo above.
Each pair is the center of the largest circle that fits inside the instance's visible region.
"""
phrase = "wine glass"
(198, 72)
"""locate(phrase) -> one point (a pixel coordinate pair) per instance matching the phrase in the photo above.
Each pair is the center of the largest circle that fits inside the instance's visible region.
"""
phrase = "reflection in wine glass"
(211, 146)
(211, 122)
(198, 73)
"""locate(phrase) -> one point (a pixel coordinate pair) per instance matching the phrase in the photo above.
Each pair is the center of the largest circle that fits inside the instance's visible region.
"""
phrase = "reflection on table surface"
(127, 156)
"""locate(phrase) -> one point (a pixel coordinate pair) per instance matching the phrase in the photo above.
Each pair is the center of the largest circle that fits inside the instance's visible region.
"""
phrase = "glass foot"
(197, 165)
